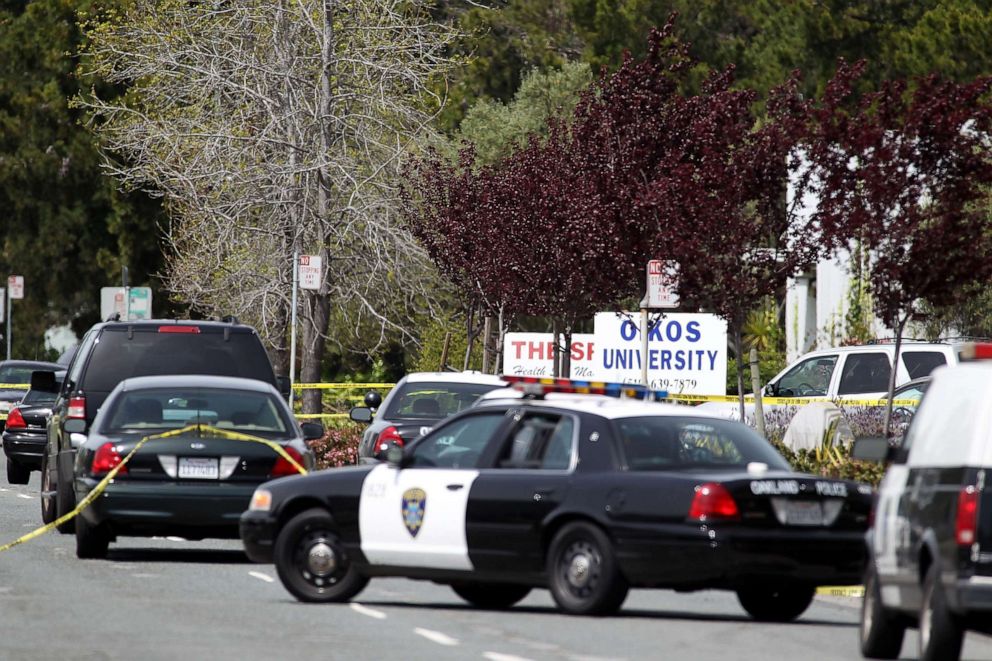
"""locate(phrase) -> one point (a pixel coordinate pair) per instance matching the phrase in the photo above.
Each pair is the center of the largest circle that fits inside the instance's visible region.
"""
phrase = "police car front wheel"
(583, 573)
(494, 596)
(311, 562)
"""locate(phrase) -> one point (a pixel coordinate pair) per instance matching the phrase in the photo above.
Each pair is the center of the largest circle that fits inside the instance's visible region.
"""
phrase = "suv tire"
(941, 633)
(65, 502)
(881, 631)
(776, 603)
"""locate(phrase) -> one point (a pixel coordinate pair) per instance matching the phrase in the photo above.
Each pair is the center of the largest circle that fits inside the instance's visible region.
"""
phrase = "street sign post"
(15, 289)
(130, 303)
(311, 273)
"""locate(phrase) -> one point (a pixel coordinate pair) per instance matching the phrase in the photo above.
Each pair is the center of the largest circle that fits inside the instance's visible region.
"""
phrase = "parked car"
(26, 434)
(113, 351)
(19, 372)
(587, 497)
(930, 548)
(193, 485)
(418, 402)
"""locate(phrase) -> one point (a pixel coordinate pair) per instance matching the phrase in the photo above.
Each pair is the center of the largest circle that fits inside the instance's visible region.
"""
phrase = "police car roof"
(453, 377)
(604, 405)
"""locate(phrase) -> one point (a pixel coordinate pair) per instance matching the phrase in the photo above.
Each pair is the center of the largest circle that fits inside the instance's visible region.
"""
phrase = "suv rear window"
(921, 363)
(434, 400)
(149, 353)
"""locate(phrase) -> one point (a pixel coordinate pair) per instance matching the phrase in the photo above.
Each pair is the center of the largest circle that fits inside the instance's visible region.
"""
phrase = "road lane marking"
(496, 656)
(262, 577)
(436, 637)
(369, 612)
(24, 496)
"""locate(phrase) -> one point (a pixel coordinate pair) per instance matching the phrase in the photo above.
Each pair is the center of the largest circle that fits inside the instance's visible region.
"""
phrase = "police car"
(585, 495)
(930, 548)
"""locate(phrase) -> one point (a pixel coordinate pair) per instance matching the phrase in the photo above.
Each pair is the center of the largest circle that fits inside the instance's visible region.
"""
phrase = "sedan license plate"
(199, 468)
(798, 512)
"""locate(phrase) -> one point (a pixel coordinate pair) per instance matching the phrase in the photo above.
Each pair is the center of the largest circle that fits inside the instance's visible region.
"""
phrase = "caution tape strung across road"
(102, 484)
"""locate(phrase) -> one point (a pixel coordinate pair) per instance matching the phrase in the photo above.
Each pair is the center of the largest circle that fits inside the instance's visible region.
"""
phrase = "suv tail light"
(106, 458)
(283, 467)
(967, 517)
(386, 436)
(15, 420)
(77, 408)
(713, 502)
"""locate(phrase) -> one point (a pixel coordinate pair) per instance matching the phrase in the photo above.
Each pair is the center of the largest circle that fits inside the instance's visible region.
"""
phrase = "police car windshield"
(433, 401)
(677, 443)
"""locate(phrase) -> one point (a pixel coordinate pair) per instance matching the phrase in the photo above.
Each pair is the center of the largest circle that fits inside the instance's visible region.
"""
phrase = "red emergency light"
(539, 386)
(977, 351)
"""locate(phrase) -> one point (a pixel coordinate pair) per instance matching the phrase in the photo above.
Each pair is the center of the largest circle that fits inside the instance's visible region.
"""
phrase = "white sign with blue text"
(687, 353)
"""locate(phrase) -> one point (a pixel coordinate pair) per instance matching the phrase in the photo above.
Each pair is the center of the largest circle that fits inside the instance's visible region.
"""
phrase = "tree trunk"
(469, 336)
(739, 347)
(487, 338)
(892, 376)
(315, 321)
(566, 357)
(280, 352)
(501, 339)
(555, 364)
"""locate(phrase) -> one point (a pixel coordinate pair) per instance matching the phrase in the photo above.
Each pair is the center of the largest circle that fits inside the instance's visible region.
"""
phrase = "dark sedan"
(586, 496)
(17, 373)
(25, 434)
(194, 485)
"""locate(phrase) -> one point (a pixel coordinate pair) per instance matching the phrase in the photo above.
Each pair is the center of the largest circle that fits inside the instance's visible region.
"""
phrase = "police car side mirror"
(875, 449)
(360, 414)
(395, 455)
(312, 431)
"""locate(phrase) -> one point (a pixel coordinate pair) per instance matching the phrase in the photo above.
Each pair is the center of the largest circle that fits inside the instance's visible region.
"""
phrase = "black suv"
(116, 350)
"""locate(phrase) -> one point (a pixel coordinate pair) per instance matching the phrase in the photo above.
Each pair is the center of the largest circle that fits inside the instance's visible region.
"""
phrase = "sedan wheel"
(91, 541)
(494, 596)
(583, 573)
(776, 603)
(311, 562)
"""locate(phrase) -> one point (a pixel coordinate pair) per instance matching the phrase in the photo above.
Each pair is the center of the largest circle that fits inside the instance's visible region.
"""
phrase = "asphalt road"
(172, 599)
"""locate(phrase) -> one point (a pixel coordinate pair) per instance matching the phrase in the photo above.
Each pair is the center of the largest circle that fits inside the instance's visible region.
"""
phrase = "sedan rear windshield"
(155, 410)
(675, 443)
(433, 400)
(117, 357)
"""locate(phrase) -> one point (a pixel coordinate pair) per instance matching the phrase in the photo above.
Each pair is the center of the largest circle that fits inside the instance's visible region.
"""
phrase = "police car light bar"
(539, 386)
(976, 351)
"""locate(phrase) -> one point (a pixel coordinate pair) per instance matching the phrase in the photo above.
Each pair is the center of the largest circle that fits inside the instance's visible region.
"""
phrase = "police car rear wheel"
(941, 634)
(312, 564)
(776, 603)
(881, 630)
(583, 573)
(91, 541)
(494, 596)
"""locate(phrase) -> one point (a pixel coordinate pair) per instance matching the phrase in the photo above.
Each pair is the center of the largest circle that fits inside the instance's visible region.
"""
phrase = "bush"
(338, 446)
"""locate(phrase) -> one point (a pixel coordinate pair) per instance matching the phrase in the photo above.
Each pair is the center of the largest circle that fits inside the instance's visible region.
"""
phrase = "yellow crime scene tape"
(102, 484)
(841, 590)
(339, 386)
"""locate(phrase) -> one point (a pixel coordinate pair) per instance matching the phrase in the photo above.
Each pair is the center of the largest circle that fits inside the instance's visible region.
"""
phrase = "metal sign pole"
(292, 332)
(644, 346)
(10, 311)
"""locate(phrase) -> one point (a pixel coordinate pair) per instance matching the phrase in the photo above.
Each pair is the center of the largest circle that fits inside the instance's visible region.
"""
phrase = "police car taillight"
(386, 436)
(967, 517)
(976, 351)
(284, 467)
(713, 502)
(107, 457)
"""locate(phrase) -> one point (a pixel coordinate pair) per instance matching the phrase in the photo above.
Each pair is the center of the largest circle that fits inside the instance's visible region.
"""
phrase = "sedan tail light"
(283, 467)
(967, 518)
(386, 436)
(15, 420)
(713, 502)
(77, 408)
(107, 456)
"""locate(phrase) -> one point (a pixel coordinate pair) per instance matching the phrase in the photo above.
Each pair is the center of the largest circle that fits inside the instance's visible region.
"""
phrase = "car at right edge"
(930, 547)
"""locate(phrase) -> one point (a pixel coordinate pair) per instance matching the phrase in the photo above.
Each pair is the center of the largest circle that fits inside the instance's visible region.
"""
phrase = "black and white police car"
(582, 494)
(930, 548)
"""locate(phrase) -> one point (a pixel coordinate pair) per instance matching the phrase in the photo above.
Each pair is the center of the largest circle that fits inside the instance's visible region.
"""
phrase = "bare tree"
(271, 127)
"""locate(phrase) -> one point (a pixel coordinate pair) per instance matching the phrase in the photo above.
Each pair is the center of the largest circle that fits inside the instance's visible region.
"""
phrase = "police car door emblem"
(414, 506)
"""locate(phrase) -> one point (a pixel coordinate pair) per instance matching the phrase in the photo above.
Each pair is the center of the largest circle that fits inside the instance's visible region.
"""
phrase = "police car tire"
(298, 537)
(881, 631)
(493, 596)
(17, 474)
(941, 634)
(91, 541)
(47, 504)
(776, 603)
(607, 588)
(65, 502)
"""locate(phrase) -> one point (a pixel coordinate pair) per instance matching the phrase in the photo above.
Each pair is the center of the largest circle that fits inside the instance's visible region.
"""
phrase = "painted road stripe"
(24, 496)
(496, 656)
(369, 612)
(262, 577)
(436, 637)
